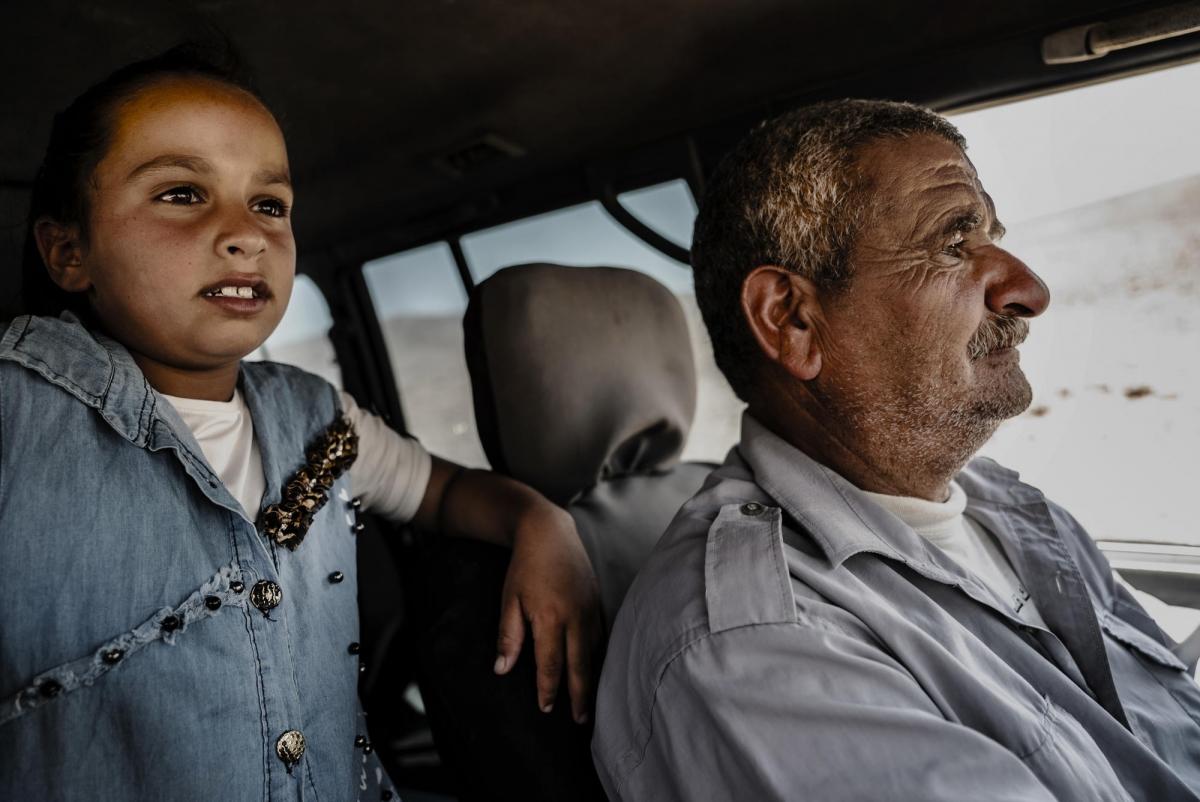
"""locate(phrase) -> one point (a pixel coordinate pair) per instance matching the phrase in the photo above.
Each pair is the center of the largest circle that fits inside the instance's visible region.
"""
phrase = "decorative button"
(212, 602)
(236, 586)
(367, 748)
(354, 648)
(266, 595)
(335, 577)
(752, 508)
(358, 527)
(112, 656)
(360, 742)
(50, 688)
(171, 623)
(356, 503)
(290, 747)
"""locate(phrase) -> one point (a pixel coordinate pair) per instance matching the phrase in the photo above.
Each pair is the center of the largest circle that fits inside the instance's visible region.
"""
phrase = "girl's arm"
(550, 582)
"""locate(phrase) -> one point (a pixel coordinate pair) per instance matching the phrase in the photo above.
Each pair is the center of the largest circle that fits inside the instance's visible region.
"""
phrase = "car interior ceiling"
(408, 123)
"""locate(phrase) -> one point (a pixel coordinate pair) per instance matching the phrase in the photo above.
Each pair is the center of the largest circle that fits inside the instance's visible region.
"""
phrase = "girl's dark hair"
(79, 139)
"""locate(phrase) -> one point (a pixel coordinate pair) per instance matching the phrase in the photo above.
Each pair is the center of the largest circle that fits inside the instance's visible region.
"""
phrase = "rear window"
(420, 302)
(302, 337)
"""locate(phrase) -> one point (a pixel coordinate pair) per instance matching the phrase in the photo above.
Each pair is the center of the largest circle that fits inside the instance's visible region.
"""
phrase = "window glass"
(586, 235)
(1100, 190)
(667, 208)
(302, 337)
(581, 236)
(420, 301)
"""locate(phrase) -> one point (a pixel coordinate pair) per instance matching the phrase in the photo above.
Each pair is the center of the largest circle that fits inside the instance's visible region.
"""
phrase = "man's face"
(922, 341)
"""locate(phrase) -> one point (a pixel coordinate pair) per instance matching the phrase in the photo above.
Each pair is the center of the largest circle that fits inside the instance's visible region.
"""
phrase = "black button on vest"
(266, 595)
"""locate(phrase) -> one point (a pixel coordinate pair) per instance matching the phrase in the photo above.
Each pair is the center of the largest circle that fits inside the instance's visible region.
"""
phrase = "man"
(852, 608)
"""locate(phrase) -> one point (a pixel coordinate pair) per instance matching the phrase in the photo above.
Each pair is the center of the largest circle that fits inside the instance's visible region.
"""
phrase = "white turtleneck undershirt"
(945, 525)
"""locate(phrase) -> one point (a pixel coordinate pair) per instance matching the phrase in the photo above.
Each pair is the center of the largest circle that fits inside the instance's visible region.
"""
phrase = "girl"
(176, 526)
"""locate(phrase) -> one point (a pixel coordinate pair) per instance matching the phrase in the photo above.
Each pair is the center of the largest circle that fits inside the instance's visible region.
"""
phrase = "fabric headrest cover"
(579, 375)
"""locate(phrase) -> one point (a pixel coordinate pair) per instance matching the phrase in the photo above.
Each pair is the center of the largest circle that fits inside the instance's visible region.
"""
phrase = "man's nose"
(1013, 289)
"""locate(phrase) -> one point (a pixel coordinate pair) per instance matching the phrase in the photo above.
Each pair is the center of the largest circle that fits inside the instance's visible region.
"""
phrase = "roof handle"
(1098, 39)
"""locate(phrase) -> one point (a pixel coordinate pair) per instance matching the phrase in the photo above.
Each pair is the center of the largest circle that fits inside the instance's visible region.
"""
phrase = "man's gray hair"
(789, 194)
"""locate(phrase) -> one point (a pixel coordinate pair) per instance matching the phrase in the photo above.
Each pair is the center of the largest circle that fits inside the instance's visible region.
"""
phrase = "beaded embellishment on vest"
(308, 490)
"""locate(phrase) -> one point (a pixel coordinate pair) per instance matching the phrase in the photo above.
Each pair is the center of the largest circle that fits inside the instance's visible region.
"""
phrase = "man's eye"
(956, 247)
(272, 207)
(181, 196)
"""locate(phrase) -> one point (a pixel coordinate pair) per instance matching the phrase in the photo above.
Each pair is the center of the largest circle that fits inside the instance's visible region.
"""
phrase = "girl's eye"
(181, 196)
(272, 207)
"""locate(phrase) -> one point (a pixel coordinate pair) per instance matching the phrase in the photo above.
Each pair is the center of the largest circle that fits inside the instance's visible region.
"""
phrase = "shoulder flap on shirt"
(746, 578)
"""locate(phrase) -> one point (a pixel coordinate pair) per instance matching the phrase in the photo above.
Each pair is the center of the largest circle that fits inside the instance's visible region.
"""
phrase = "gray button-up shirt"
(790, 639)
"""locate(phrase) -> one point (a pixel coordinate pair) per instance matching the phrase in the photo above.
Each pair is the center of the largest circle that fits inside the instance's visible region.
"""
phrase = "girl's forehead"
(195, 115)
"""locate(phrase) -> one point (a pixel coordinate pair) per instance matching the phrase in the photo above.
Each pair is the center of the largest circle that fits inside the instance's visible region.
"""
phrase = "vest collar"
(94, 368)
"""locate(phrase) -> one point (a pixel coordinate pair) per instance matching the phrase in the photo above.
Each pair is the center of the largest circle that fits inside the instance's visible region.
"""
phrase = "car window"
(586, 236)
(1100, 190)
(302, 337)
(420, 301)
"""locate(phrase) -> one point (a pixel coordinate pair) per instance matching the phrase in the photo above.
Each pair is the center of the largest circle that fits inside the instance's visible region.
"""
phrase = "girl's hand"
(550, 582)
(551, 585)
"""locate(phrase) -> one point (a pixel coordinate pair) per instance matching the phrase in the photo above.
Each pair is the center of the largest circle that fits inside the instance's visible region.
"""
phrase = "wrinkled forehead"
(914, 176)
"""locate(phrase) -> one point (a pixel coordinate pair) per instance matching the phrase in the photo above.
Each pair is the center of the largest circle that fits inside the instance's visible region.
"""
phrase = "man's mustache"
(996, 333)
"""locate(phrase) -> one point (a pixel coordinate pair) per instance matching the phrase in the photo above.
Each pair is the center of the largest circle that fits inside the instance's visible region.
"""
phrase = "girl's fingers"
(511, 636)
(548, 651)
(580, 679)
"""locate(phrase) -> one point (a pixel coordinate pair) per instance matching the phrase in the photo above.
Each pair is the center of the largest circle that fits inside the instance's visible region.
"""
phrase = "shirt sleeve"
(784, 711)
(392, 471)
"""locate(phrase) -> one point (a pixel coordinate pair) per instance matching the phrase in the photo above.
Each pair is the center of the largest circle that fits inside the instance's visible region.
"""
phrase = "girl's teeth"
(235, 292)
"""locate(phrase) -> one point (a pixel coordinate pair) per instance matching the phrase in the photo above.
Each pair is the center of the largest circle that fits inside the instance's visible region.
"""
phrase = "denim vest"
(140, 654)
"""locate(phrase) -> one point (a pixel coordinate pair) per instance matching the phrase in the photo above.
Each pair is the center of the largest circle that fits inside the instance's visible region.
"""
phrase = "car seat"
(584, 388)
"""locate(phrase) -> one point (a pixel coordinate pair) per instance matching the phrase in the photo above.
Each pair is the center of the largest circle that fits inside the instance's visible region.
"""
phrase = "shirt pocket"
(1129, 635)
(1164, 712)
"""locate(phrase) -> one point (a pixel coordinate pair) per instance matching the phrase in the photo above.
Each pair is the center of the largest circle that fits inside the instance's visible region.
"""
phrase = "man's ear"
(61, 247)
(781, 307)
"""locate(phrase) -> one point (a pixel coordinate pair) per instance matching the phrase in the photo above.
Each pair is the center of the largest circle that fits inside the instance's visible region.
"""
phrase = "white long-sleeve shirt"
(390, 474)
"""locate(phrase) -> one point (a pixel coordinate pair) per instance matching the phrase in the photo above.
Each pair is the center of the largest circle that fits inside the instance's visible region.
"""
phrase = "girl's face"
(190, 214)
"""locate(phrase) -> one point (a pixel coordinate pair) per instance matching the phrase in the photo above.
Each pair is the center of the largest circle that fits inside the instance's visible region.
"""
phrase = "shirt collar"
(842, 519)
(90, 366)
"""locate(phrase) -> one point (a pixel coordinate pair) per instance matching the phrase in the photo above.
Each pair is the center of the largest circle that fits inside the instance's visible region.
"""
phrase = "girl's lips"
(237, 306)
(252, 283)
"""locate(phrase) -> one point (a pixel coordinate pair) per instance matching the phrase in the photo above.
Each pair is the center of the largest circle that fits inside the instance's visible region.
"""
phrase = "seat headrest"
(579, 375)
